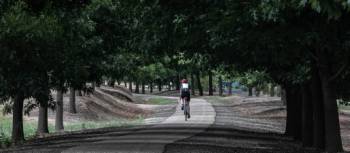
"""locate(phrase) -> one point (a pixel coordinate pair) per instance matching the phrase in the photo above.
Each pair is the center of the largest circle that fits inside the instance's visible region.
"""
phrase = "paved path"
(212, 129)
(155, 138)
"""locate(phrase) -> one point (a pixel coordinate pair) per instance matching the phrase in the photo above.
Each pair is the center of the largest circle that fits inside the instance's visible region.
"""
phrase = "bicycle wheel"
(185, 112)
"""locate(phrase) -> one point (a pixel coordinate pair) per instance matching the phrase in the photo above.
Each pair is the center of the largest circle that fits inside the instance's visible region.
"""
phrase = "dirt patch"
(264, 114)
(240, 128)
(123, 89)
(99, 106)
(116, 93)
(119, 107)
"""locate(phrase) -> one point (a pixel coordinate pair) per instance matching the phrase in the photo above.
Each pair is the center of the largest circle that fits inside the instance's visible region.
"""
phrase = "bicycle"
(186, 108)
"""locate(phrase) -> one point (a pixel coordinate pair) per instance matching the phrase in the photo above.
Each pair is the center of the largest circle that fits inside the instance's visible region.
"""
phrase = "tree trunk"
(78, 93)
(229, 88)
(137, 87)
(257, 92)
(119, 82)
(279, 91)
(220, 86)
(293, 125)
(111, 83)
(151, 87)
(307, 118)
(199, 84)
(159, 85)
(130, 86)
(333, 141)
(177, 82)
(210, 83)
(318, 110)
(169, 86)
(125, 84)
(193, 89)
(272, 90)
(42, 122)
(72, 106)
(290, 114)
(59, 112)
(17, 124)
(250, 91)
(283, 96)
(94, 85)
(143, 88)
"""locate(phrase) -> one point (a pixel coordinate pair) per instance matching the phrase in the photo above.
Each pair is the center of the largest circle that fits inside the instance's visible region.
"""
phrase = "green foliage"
(156, 71)
(252, 79)
(27, 43)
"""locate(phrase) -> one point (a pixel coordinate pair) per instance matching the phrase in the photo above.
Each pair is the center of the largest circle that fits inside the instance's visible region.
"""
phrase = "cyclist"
(185, 93)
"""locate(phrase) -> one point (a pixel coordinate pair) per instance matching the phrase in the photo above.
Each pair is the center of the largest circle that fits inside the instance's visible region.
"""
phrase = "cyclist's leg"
(188, 107)
(182, 103)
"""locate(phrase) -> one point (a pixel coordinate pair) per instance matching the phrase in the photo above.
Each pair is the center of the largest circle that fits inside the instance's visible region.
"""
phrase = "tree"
(26, 44)
(210, 73)
(253, 79)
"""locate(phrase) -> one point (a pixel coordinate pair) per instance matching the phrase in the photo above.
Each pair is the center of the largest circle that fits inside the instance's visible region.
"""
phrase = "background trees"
(253, 79)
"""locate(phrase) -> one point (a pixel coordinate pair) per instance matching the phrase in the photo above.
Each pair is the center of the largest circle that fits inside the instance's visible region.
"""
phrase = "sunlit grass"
(343, 107)
(83, 125)
(216, 99)
(161, 101)
(30, 127)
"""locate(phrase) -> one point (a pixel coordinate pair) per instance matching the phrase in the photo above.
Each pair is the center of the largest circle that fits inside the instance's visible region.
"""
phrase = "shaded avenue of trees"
(299, 45)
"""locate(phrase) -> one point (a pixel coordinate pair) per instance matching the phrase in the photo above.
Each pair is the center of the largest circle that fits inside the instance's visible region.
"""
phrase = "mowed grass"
(83, 125)
(30, 127)
(217, 99)
(161, 101)
(343, 107)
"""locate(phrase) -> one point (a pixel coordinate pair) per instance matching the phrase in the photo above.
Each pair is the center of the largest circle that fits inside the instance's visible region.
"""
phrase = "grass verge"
(84, 125)
(30, 127)
(216, 99)
(161, 101)
(343, 107)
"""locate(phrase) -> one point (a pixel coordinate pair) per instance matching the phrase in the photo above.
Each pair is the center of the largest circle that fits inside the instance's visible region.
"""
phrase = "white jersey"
(184, 86)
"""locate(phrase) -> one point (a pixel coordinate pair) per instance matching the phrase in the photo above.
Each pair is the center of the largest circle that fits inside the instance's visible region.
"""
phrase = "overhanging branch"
(339, 72)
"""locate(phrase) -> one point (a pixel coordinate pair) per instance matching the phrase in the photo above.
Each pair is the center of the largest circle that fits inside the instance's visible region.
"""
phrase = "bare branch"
(313, 56)
(339, 72)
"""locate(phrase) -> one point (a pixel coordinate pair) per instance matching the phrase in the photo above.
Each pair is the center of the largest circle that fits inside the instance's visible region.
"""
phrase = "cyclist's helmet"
(184, 81)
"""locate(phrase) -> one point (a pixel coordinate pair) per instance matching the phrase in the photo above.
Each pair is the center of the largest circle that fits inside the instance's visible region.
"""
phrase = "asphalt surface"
(155, 138)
